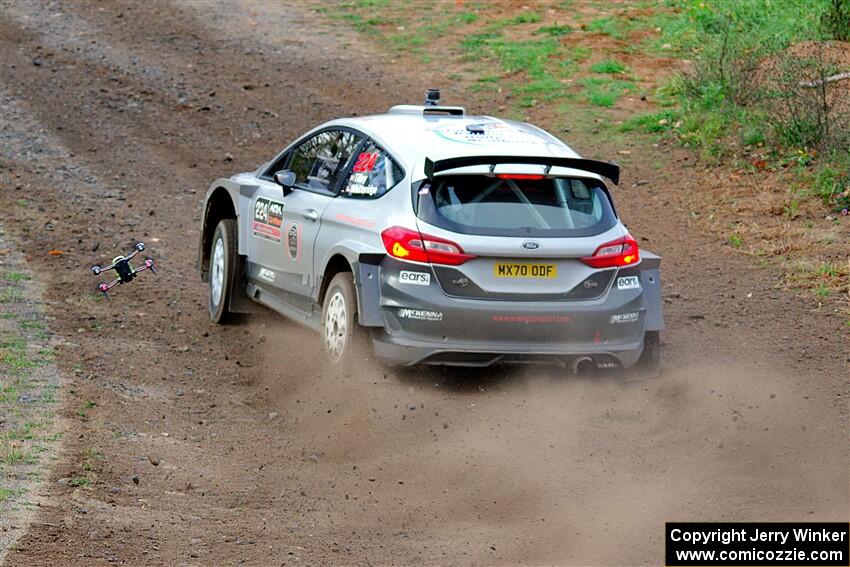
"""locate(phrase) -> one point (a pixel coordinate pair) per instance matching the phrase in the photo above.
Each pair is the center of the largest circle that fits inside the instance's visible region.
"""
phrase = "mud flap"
(239, 300)
(650, 279)
(368, 284)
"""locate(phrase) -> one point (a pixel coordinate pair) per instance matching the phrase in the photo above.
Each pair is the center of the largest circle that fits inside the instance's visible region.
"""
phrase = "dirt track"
(115, 117)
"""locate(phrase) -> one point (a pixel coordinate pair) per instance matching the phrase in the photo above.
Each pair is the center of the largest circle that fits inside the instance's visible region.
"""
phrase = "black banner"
(822, 544)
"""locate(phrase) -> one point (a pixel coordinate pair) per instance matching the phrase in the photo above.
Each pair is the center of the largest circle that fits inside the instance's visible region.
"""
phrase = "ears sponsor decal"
(628, 282)
(414, 278)
(293, 240)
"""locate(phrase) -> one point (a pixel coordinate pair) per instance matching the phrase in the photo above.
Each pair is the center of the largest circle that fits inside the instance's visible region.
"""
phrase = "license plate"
(510, 270)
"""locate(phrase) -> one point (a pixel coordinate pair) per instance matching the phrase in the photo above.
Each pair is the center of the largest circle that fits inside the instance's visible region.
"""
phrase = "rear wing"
(607, 169)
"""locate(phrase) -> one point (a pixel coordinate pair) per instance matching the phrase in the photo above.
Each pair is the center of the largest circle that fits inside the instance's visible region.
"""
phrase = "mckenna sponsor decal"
(414, 278)
(420, 314)
(267, 274)
(625, 318)
(628, 282)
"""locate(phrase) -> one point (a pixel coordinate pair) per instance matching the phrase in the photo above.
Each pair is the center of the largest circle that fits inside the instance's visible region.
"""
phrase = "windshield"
(516, 206)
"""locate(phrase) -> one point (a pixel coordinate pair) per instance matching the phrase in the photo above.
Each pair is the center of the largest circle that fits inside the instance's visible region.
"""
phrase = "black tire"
(649, 363)
(342, 338)
(222, 275)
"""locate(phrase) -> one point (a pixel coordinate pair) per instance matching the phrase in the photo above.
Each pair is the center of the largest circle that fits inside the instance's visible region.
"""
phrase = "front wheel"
(222, 266)
(340, 332)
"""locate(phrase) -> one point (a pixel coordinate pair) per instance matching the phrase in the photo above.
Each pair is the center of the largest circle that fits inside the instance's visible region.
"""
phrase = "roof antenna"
(432, 97)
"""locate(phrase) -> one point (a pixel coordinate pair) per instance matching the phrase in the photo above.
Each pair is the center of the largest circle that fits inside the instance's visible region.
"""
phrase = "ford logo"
(530, 245)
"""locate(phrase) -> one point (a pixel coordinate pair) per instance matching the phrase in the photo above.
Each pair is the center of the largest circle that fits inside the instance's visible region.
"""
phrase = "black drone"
(126, 272)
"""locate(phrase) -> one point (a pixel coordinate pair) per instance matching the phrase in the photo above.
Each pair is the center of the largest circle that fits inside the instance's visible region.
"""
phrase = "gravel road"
(236, 446)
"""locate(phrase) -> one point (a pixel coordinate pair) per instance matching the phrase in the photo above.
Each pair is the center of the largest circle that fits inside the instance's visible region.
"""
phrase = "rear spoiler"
(607, 169)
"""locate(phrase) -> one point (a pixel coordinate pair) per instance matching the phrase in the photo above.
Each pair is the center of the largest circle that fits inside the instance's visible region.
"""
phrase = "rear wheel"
(341, 335)
(649, 363)
(222, 266)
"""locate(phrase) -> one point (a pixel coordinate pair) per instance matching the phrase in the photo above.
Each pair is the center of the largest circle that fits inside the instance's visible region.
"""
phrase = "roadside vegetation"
(28, 390)
(755, 88)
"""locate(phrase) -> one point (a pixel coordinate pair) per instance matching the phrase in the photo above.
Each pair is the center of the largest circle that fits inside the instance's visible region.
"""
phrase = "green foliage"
(554, 31)
(832, 182)
(608, 26)
(608, 66)
(16, 276)
(836, 20)
(603, 91)
(466, 18)
(654, 122)
(521, 18)
(9, 493)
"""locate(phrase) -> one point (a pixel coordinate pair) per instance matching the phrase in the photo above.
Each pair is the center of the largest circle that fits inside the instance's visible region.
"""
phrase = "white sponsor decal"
(625, 318)
(267, 274)
(421, 314)
(629, 282)
(415, 278)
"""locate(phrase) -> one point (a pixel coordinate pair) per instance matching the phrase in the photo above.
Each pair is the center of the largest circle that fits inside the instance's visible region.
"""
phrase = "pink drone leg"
(105, 287)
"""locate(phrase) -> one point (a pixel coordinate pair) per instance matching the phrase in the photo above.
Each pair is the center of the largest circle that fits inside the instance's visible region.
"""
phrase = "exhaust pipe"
(583, 366)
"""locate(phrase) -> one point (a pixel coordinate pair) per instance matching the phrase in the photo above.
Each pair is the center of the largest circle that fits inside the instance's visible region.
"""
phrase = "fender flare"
(365, 267)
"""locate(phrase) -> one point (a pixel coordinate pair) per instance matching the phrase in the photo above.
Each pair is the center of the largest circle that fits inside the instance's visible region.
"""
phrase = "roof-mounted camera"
(432, 97)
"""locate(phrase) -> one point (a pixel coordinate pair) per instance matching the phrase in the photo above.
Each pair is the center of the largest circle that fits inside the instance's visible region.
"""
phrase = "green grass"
(10, 493)
(15, 276)
(603, 91)
(519, 19)
(554, 31)
(609, 66)
(653, 122)
(831, 183)
(79, 481)
(608, 26)
(11, 294)
(17, 362)
(35, 325)
(11, 455)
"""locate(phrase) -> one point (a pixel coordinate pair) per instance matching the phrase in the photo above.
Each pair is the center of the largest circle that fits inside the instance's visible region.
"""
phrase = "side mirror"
(285, 179)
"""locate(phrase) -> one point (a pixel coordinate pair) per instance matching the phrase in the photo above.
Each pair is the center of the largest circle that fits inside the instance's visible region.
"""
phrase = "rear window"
(491, 205)
(372, 174)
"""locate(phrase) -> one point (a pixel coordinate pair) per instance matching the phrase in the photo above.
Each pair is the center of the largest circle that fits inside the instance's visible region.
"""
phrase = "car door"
(318, 164)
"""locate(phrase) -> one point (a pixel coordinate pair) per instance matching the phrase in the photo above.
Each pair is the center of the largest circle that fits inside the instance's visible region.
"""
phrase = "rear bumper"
(410, 353)
(423, 325)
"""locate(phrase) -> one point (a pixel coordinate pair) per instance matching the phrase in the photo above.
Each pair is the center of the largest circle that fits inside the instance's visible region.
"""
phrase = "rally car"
(429, 236)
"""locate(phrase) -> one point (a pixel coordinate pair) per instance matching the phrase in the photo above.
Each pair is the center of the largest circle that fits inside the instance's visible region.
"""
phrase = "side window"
(373, 174)
(319, 161)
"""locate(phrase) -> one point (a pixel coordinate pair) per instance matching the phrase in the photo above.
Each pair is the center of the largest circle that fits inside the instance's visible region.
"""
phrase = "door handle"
(311, 215)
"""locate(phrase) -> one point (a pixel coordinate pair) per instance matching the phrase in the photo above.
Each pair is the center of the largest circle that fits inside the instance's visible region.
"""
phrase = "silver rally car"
(435, 237)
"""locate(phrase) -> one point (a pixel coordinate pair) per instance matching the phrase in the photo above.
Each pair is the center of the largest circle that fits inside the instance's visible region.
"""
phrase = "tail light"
(411, 245)
(615, 254)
